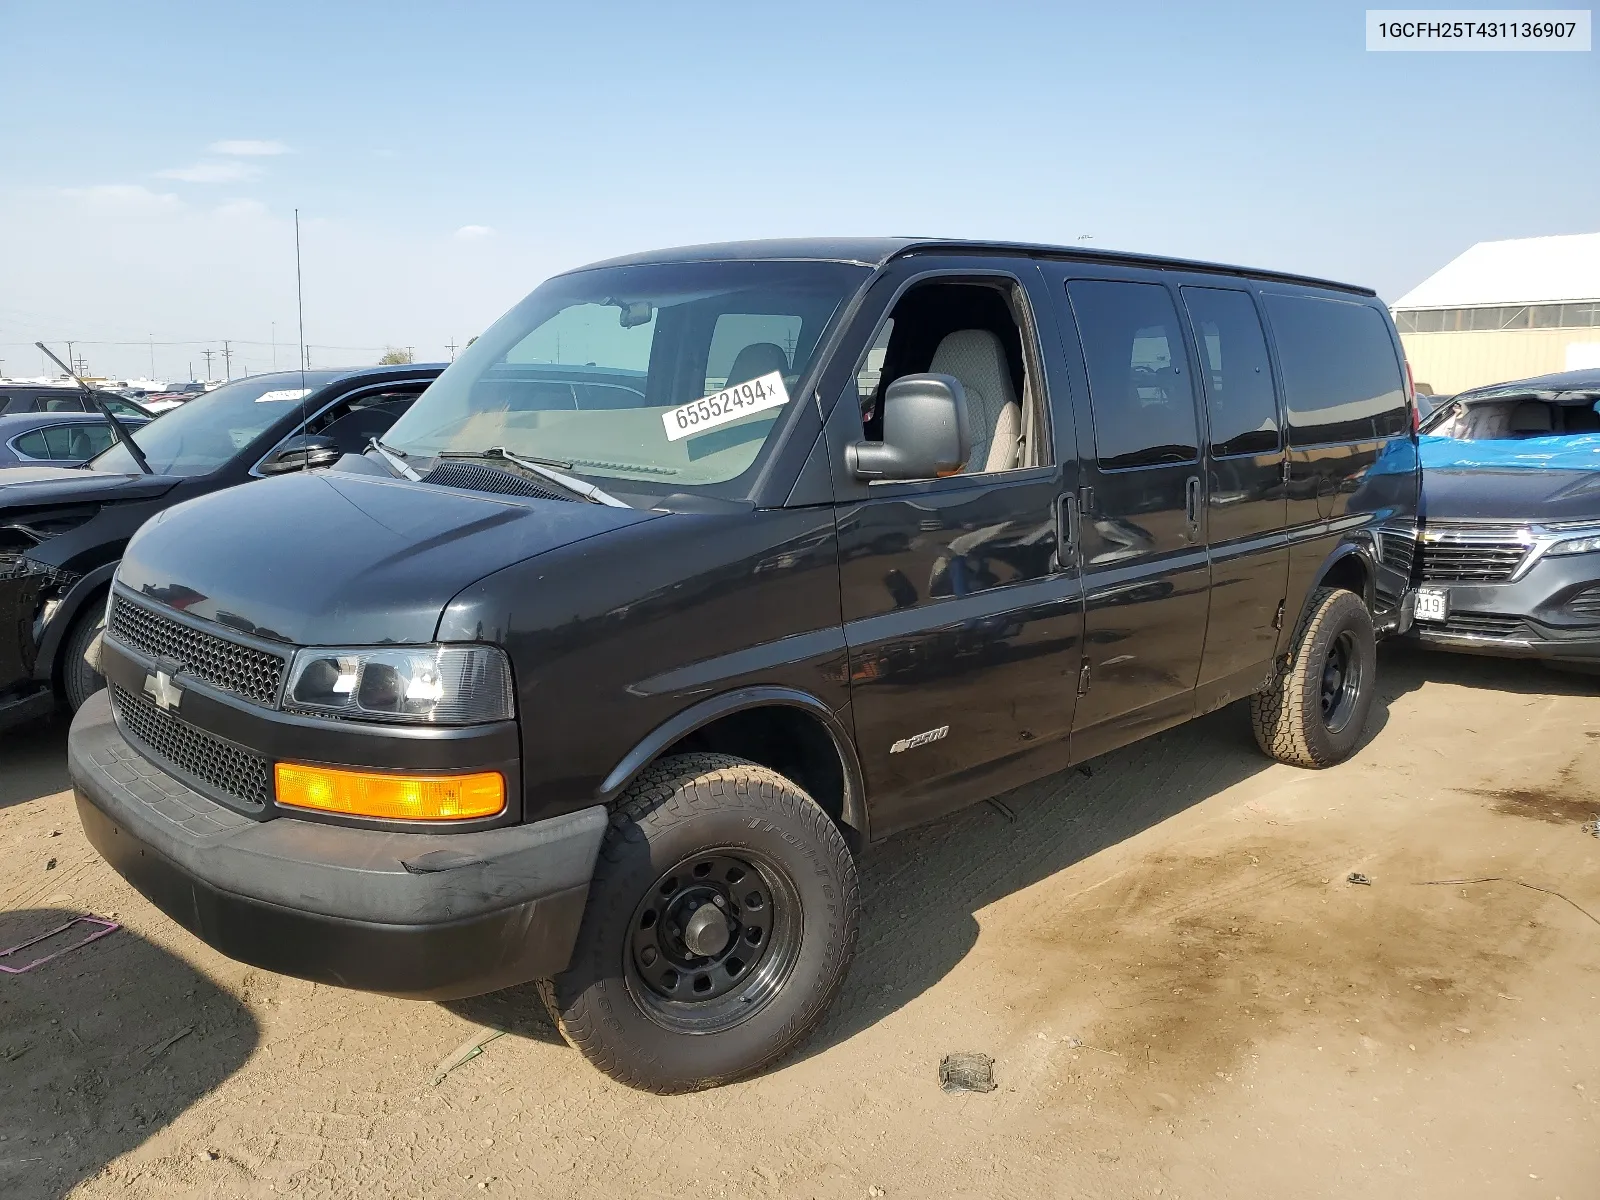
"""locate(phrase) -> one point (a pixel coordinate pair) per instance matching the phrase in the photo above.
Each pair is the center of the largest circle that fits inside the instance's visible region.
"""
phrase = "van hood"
(327, 558)
(1514, 494)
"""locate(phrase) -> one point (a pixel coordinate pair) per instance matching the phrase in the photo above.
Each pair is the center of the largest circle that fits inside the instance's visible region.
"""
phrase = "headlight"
(438, 685)
(1578, 545)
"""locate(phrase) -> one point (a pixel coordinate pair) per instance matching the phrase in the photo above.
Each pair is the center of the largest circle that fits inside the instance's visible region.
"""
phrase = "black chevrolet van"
(703, 569)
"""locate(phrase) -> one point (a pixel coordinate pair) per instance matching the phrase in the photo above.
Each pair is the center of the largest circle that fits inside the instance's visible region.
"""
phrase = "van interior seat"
(978, 360)
(756, 360)
(1531, 418)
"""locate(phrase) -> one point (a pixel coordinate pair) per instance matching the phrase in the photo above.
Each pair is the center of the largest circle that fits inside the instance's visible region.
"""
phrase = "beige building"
(1505, 310)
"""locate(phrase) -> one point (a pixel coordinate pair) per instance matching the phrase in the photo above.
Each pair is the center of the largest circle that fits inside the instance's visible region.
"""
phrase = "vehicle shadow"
(100, 1049)
(519, 1011)
(35, 761)
(921, 890)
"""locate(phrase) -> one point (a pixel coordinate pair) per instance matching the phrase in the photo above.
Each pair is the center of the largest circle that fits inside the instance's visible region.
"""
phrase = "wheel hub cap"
(707, 932)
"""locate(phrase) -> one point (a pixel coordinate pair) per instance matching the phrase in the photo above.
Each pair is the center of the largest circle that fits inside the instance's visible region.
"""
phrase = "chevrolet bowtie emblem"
(166, 694)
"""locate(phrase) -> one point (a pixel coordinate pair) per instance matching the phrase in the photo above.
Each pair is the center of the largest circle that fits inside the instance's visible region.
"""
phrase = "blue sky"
(446, 158)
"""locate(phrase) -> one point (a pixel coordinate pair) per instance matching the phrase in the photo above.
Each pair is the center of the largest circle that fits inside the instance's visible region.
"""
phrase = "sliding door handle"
(1066, 530)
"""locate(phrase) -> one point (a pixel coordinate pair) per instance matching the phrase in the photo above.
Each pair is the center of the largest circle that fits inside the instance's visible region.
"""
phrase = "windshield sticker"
(730, 404)
(281, 395)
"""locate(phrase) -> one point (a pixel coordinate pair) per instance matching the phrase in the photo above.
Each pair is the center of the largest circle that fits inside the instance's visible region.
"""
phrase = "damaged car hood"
(1512, 494)
(21, 486)
(335, 558)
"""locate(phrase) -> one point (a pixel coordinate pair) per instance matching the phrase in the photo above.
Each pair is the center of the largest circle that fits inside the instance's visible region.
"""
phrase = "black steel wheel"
(714, 940)
(1314, 710)
(722, 917)
(1341, 681)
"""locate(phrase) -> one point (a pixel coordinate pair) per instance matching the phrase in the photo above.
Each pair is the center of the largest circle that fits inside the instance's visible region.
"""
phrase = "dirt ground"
(1183, 995)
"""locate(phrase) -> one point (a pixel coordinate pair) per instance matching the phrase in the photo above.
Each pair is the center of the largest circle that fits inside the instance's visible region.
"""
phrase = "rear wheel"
(721, 920)
(1313, 712)
(79, 680)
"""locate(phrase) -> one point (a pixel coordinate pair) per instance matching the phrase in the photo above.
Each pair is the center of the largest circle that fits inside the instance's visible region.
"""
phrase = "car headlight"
(438, 685)
(1577, 545)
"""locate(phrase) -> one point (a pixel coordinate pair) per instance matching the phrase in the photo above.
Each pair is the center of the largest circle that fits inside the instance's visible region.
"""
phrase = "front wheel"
(721, 920)
(79, 680)
(1313, 712)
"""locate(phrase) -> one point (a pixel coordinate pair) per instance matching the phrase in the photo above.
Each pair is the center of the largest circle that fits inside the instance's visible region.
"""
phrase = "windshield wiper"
(395, 460)
(94, 397)
(577, 487)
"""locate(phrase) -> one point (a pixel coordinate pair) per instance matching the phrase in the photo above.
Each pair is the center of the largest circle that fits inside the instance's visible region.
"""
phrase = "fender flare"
(82, 589)
(1353, 547)
(853, 810)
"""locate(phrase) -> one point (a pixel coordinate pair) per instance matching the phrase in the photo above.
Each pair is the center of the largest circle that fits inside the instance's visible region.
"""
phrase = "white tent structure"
(1505, 310)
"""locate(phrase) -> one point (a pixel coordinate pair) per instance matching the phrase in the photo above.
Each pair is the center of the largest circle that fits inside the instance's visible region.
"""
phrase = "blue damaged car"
(1510, 530)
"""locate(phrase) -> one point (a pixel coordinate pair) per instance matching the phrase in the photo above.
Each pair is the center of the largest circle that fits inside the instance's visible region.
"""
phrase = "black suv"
(702, 569)
(62, 530)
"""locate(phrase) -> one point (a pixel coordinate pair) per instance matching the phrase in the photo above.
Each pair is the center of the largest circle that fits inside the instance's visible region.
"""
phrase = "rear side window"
(1139, 393)
(1341, 379)
(33, 444)
(1233, 363)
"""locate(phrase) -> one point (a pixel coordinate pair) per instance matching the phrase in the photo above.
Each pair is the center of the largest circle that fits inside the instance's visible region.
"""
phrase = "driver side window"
(970, 331)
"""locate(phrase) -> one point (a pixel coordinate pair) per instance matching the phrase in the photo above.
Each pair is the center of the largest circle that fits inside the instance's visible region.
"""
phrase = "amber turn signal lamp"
(396, 797)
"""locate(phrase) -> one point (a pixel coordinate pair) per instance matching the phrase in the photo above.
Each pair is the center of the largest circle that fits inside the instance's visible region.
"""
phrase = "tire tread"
(677, 789)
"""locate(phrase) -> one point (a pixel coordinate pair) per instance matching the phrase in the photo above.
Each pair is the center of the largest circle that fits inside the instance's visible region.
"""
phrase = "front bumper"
(424, 915)
(1549, 611)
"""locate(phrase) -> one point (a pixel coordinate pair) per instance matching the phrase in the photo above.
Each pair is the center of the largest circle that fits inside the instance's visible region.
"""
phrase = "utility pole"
(81, 366)
(191, 370)
(69, 354)
(411, 354)
(207, 353)
(152, 357)
(227, 357)
(451, 346)
(274, 345)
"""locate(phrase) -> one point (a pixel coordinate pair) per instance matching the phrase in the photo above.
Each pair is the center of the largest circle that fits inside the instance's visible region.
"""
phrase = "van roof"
(874, 252)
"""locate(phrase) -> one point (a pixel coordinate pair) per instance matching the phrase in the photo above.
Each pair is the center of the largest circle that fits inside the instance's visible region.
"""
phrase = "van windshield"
(669, 375)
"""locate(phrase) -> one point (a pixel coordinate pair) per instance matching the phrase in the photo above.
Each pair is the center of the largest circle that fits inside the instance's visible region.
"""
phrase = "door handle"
(1191, 504)
(1066, 530)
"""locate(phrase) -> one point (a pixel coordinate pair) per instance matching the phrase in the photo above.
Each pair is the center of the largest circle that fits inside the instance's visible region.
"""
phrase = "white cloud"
(211, 172)
(124, 196)
(246, 209)
(468, 233)
(247, 148)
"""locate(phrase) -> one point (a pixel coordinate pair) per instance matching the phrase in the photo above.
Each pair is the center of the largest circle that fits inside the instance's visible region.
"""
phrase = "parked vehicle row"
(62, 532)
(57, 439)
(696, 573)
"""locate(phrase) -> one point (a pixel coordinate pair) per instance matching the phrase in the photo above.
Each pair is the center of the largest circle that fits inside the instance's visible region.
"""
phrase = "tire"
(1335, 650)
(79, 680)
(750, 828)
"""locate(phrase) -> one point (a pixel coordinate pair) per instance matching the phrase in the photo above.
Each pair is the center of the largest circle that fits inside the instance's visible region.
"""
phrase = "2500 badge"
(731, 403)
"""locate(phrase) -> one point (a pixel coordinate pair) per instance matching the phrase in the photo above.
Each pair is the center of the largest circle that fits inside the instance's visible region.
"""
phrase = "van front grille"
(223, 663)
(1399, 549)
(229, 773)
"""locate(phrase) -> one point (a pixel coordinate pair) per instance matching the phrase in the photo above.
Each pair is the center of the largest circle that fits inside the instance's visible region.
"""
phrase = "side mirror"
(925, 432)
(300, 453)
